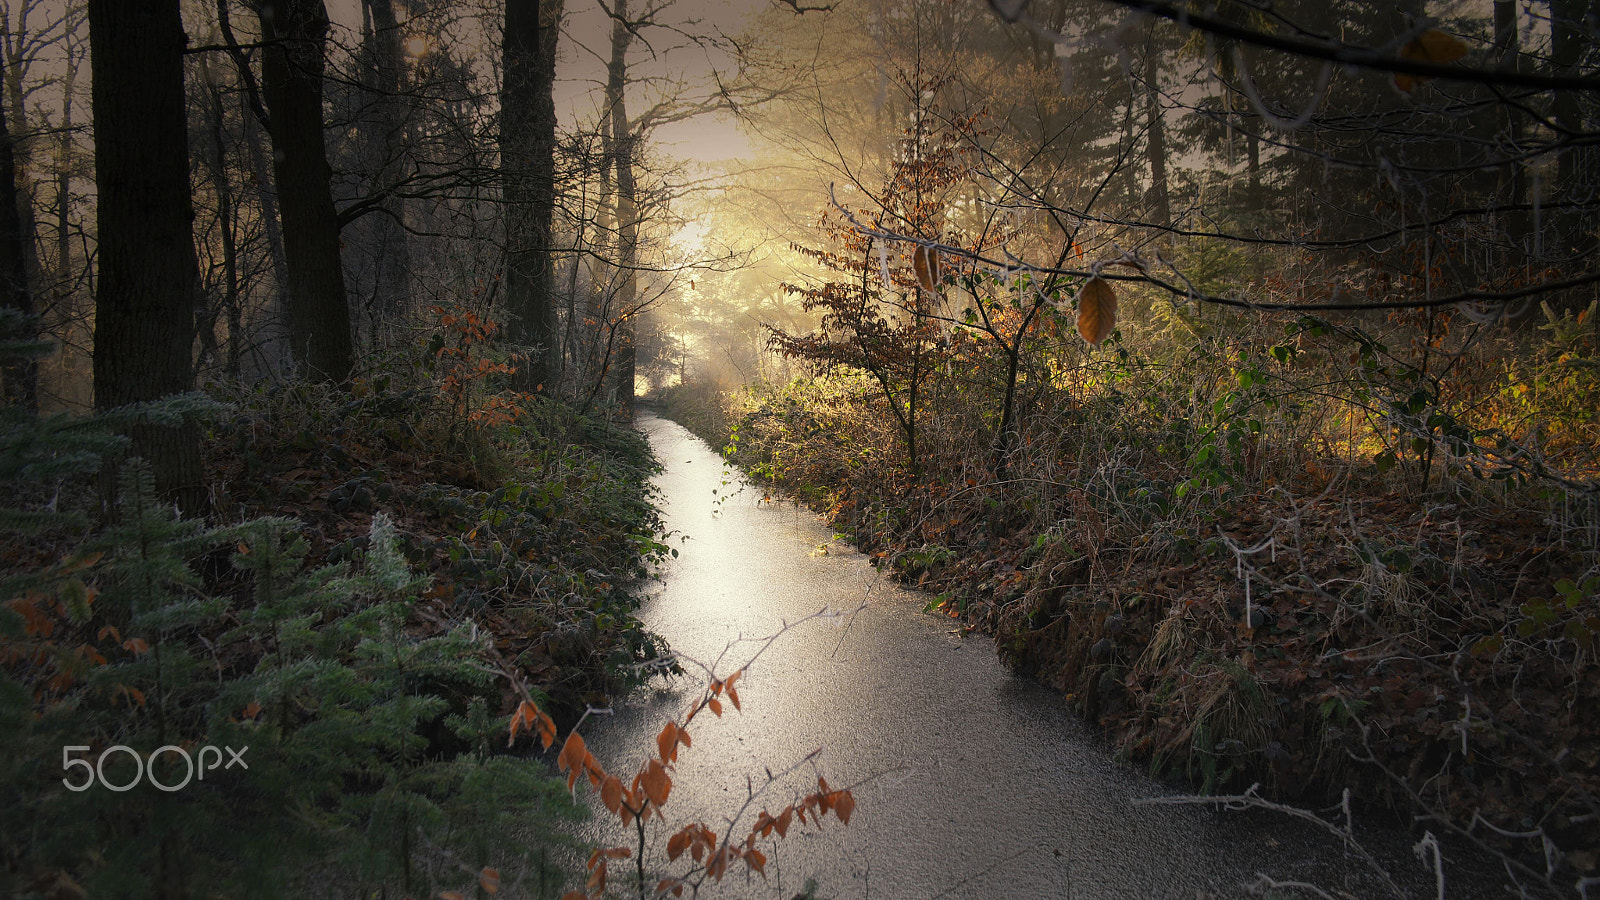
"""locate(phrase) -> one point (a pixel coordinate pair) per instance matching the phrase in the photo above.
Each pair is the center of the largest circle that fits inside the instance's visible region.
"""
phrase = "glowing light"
(418, 45)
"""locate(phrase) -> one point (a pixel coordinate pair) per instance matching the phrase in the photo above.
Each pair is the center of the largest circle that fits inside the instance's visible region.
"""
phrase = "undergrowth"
(1258, 551)
(389, 571)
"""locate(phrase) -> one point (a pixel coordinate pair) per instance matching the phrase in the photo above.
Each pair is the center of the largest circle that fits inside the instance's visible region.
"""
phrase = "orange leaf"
(733, 694)
(716, 706)
(252, 710)
(490, 879)
(925, 260)
(667, 742)
(756, 860)
(657, 784)
(1097, 310)
(546, 727)
(574, 895)
(717, 866)
(573, 754)
(678, 843)
(596, 772)
(451, 895)
(843, 805)
(611, 793)
(783, 821)
(1431, 46)
(520, 719)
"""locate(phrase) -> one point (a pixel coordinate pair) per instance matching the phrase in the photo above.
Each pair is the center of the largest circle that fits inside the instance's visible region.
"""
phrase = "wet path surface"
(977, 783)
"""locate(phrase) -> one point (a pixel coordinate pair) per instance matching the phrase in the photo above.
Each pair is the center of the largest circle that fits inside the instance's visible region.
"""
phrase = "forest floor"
(539, 532)
(373, 683)
(1436, 658)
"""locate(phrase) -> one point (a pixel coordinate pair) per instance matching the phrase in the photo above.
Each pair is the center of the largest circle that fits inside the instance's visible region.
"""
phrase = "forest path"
(981, 784)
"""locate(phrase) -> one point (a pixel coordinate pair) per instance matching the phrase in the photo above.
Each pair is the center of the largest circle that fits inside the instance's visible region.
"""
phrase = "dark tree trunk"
(527, 162)
(622, 153)
(291, 86)
(1156, 136)
(144, 309)
(1576, 179)
(387, 159)
(19, 378)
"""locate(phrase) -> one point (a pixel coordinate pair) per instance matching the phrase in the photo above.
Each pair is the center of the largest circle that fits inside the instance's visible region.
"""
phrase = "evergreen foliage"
(369, 761)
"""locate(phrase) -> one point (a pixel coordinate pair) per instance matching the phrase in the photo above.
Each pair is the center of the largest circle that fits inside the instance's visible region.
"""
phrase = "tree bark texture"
(387, 160)
(19, 378)
(527, 164)
(622, 156)
(149, 279)
(291, 86)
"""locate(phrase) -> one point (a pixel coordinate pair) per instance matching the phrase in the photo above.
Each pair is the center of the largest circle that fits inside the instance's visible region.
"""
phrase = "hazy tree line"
(274, 196)
(291, 199)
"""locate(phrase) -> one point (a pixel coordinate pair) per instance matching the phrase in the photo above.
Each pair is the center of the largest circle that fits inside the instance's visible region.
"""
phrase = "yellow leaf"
(1431, 46)
(1434, 46)
(490, 879)
(1097, 310)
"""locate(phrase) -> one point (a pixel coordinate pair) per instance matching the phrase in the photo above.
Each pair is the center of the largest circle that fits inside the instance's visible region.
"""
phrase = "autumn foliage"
(705, 854)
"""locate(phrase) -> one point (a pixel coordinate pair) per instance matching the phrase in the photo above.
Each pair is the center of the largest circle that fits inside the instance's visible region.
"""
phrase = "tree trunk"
(622, 152)
(19, 378)
(1156, 136)
(527, 162)
(144, 309)
(1575, 176)
(291, 86)
(387, 157)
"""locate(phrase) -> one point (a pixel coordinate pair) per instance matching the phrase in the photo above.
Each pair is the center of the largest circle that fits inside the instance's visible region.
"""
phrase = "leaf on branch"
(1097, 310)
(716, 706)
(490, 880)
(925, 261)
(844, 804)
(733, 694)
(571, 760)
(678, 843)
(756, 860)
(657, 784)
(611, 793)
(1431, 46)
(667, 742)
